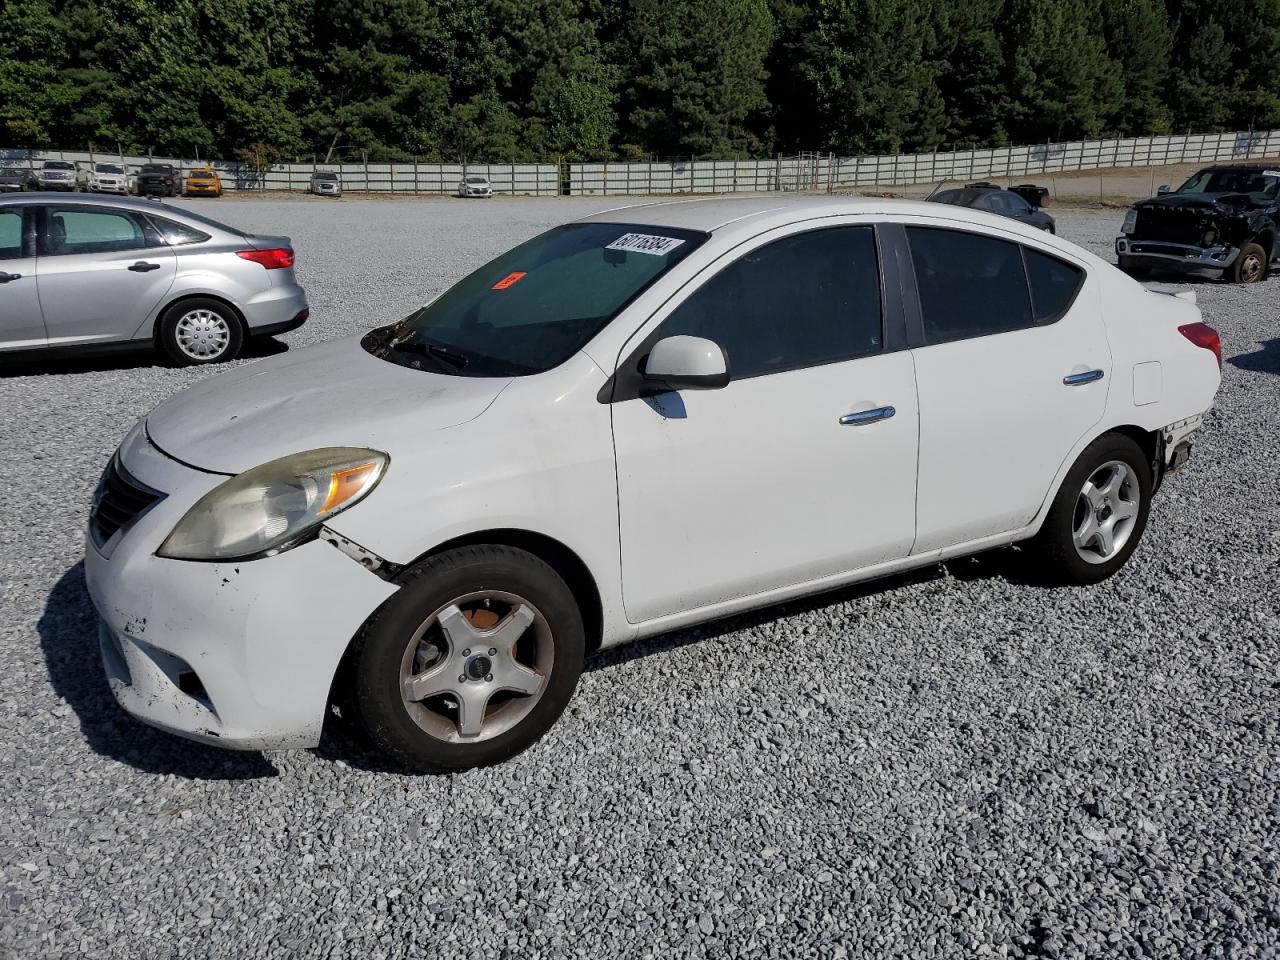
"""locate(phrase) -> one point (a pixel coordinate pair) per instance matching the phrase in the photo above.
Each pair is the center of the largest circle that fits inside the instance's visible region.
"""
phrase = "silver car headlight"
(273, 507)
(1130, 220)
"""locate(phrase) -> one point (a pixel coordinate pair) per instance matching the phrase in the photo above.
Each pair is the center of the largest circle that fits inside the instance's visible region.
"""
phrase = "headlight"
(273, 507)
(1130, 221)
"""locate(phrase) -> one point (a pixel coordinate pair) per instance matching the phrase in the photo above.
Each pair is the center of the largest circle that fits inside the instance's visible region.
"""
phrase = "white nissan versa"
(651, 417)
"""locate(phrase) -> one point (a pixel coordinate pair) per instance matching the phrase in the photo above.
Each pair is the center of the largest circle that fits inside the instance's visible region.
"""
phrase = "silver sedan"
(81, 274)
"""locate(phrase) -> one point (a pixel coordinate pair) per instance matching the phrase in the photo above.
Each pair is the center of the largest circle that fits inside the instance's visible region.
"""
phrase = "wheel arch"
(197, 295)
(561, 558)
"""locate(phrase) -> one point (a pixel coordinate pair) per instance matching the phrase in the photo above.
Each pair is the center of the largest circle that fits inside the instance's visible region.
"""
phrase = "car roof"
(717, 213)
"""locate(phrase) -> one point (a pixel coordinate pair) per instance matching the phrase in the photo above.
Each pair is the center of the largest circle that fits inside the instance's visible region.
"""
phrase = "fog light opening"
(189, 683)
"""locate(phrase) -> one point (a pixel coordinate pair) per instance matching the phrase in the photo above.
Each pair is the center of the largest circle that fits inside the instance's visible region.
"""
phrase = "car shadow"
(1266, 360)
(68, 630)
(34, 364)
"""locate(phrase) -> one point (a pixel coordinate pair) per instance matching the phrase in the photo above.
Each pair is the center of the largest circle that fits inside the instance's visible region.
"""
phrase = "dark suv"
(160, 179)
(1222, 223)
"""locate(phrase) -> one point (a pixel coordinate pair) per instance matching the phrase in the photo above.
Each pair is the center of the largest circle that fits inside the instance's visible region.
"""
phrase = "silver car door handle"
(861, 417)
(1089, 376)
(142, 266)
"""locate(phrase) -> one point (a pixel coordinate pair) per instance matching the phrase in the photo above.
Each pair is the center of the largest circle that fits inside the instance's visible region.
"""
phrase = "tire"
(1251, 265)
(211, 333)
(1059, 559)
(512, 594)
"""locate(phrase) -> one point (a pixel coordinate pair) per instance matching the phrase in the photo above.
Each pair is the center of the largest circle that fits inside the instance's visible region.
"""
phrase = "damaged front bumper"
(239, 655)
(1210, 262)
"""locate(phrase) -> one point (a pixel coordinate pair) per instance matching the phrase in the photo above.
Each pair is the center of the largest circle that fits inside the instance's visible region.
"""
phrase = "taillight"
(1203, 335)
(276, 259)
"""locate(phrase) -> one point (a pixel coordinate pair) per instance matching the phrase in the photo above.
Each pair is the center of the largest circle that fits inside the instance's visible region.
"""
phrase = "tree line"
(499, 80)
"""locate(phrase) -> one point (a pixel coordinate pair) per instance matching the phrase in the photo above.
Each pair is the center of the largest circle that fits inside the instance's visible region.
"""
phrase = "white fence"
(806, 171)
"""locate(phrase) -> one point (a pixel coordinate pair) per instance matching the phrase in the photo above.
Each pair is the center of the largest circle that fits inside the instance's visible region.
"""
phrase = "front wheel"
(471, 662)
(1250, 266)
(1099, 514)
(200, 331)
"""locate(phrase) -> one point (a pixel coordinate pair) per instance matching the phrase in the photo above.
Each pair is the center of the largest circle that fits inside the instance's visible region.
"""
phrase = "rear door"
(21, 322)
(1013, 366)
(102, 272)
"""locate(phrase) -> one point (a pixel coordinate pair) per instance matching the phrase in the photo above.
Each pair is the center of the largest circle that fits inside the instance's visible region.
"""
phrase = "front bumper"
(120, 188)
(57, 185)
(203, 188)
(1178, 257)
(239, 655)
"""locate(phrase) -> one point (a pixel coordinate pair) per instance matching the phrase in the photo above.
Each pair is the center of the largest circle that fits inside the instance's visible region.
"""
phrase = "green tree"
(1139, 37)
(1226, 64)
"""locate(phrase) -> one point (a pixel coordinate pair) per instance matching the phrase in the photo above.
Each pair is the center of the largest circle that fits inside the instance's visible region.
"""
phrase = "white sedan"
(645, 419)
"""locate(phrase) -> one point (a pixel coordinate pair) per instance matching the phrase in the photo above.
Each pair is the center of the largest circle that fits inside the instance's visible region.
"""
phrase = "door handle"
(861, 417)
(1089, 376)
(142, 266)
(6, 277)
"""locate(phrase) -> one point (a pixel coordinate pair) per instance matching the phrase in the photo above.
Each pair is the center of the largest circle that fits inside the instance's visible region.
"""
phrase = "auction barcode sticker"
(645, 243)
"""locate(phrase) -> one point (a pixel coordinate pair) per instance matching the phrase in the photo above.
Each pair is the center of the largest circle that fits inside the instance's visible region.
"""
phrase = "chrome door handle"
(142, 266)
(1089, 376)
(867, 416)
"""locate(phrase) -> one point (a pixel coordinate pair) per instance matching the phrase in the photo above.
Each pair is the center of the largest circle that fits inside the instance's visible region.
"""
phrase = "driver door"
(804, 466)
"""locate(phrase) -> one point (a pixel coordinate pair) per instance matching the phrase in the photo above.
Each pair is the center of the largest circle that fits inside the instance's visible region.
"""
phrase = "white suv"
(103, 178)
(652, 417)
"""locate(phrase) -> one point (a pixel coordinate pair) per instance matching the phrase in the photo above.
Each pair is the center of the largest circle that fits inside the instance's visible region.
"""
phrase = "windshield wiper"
(432, 350)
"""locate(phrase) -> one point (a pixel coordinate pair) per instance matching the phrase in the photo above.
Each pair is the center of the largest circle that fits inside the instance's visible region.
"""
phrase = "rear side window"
(970, 285)
(1054, 285)
(802, 301)
(177, 234)
(89, 231)
(10, 234)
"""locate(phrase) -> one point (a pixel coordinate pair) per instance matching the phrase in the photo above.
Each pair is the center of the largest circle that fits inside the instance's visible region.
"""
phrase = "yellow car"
(202, 182)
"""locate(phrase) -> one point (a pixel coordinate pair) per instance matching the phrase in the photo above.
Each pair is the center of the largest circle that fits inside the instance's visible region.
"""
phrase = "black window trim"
(915, 314)
(627, 381)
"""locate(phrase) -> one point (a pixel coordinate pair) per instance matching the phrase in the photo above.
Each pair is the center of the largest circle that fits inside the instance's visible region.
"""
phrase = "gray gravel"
(951, 764)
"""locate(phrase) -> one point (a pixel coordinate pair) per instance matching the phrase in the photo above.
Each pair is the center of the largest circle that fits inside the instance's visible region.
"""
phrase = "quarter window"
(970, 285)
(798, 302)
(177, 234)
(1053, 284)
(72, 230)
(10, 234)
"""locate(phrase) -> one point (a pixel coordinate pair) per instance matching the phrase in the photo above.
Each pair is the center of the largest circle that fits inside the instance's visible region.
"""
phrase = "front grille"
(1171, 225)
(118, 502)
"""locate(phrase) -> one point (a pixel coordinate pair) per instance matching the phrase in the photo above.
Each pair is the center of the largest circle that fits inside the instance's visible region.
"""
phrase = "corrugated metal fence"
(805, 171)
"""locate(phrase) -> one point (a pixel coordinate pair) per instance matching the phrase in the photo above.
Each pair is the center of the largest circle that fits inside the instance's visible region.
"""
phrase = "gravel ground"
(951, 764)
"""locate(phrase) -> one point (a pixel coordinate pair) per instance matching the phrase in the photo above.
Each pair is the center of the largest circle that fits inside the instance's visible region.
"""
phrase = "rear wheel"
(1099, 514)
(200, 331)
(1250, 266)
(471, 662)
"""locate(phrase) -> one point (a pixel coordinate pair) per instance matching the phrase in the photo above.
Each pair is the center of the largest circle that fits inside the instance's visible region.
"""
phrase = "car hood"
(331, 395)
(1200, 202)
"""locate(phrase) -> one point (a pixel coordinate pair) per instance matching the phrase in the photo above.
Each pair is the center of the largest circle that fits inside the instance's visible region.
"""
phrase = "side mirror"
(686, 363)
(1163, 189)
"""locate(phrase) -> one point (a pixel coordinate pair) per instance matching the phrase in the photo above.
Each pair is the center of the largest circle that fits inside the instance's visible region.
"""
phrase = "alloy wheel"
(1106, 512)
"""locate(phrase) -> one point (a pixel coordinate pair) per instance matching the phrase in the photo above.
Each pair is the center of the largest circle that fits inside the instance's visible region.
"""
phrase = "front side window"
(970, 285)
(10, 234)
(536, 305)
(1266, 185)
(76, 230)
(802, 301)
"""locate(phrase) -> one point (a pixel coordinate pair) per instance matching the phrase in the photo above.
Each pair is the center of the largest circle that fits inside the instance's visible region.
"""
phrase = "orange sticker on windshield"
(509, 280)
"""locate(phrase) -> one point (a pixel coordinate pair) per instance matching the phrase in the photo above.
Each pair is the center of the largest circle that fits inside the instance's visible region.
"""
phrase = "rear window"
(535, 306)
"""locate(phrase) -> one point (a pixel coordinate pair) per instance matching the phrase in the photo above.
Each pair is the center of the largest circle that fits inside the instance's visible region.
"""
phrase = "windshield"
(1267, 185)
(476, 180)
(201, 174)
(108, 168)
(535, 306)
(155, 168)
(324, 176)
(58, 165)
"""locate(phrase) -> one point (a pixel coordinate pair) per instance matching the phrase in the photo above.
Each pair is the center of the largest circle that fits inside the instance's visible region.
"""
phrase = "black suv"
(158, 178)
(1222, 223)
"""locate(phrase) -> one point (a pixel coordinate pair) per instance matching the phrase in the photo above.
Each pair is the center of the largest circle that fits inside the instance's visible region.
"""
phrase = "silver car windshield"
(535, 306)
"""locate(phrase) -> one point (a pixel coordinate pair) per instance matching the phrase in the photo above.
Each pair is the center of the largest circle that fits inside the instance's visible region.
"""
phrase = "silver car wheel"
(476, 667)
(202, 334)
(1106, 512)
